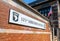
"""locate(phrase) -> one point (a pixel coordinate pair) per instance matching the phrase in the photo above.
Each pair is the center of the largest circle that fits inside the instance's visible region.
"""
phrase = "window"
(44, 11)
(55, 31)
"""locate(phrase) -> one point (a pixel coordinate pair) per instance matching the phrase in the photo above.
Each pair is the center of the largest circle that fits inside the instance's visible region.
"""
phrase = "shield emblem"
(15, 16)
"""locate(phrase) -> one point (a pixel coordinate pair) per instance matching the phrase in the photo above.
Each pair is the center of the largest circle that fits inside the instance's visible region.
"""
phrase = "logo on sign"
(15, 16)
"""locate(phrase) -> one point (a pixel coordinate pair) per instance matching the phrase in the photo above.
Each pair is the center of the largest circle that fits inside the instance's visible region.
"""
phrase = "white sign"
(21, 19)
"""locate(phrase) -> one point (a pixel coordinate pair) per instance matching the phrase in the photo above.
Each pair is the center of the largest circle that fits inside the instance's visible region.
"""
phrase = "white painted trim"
(24, 9)
(22, 31)
(51, 37)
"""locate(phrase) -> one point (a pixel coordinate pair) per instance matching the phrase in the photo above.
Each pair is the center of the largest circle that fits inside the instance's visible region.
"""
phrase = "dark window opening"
(44, 11)
(55, 31)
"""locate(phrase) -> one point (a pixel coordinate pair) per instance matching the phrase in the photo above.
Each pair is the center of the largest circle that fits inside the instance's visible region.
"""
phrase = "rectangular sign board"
(21, 19)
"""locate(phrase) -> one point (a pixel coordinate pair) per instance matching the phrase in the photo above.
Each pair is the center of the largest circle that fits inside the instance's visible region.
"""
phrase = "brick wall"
(4, 24)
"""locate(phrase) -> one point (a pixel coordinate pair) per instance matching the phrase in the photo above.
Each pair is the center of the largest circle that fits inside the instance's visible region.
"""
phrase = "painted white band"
(22, 31)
